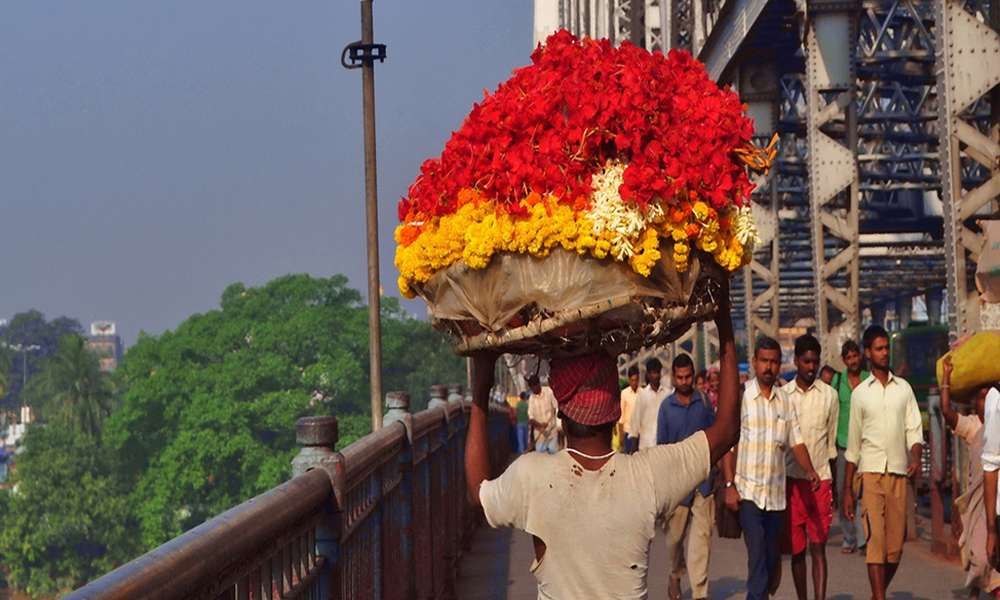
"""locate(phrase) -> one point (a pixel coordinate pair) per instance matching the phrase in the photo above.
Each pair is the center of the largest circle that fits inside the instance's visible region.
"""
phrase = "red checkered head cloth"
(586, 388)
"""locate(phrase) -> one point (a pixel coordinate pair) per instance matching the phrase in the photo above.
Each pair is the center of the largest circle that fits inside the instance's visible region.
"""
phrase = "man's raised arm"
(477, 452)
(725, 432)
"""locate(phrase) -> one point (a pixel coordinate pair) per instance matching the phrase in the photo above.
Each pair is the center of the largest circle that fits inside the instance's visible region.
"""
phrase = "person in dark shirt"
(682, 414)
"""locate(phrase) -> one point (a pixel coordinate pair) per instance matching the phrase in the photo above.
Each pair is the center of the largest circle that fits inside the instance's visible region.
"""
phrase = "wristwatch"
(729, 484)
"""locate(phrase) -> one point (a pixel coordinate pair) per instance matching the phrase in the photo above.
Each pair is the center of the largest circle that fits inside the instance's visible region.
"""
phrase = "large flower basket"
(595, 200)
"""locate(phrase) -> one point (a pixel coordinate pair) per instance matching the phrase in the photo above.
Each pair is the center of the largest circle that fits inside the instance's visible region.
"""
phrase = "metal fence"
(386, 517)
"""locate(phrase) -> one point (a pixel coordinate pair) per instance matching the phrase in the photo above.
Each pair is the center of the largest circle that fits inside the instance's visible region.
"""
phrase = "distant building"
(106, 344)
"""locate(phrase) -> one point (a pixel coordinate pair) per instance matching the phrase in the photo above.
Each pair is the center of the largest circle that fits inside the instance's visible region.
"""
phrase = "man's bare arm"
(725, 432)
(477, 452)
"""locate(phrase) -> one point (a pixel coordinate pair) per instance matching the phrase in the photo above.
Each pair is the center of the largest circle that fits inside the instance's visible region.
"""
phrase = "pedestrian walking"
(991, 465)
(684, 413)
(883, 445)
(755, 477)
(980, 575)
(844, 383)
(809, 511)
(542, 416)
(591, 510)
(628, 399)
(647, 407)
(522, 423)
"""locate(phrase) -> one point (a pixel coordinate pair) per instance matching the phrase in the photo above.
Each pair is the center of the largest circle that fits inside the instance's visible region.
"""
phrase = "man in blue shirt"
(682, 414)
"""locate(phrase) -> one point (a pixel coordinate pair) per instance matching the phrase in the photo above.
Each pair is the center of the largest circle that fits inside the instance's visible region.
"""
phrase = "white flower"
(610, 213)
(745, 229)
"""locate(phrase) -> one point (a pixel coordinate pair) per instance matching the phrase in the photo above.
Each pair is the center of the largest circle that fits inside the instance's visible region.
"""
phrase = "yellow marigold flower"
(700, 210)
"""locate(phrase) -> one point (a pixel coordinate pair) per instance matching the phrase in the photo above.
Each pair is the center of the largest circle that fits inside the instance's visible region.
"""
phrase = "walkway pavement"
(496, 568)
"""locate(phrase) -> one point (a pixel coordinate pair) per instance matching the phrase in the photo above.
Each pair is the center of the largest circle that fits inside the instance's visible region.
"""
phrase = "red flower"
(580, 103)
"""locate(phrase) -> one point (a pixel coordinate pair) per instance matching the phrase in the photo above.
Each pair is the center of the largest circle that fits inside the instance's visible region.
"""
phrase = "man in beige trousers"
(682, 414)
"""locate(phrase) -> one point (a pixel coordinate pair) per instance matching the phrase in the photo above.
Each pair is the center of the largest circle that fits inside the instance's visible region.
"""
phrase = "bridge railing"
(386, 517)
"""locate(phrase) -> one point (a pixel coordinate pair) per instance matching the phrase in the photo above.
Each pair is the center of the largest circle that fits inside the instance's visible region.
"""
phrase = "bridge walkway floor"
(496, 568)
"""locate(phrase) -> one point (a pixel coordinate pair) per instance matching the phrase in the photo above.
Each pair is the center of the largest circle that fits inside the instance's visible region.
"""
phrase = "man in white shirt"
(647, 407)
(809, 512)
(590, 510)
(884, 442)
(991, 466)
(628, 397)
(542, 416)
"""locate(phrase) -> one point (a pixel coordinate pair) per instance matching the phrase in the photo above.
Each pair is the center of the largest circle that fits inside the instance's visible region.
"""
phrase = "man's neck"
(851, 373)
(592, 446)
(881, 374)
(655, 388)
(684, 398)
(803, 384)
(634, 388)
(765, 390)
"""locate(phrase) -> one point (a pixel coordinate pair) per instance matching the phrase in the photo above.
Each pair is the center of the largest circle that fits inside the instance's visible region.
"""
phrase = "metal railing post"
(317, 438)
(400, 568)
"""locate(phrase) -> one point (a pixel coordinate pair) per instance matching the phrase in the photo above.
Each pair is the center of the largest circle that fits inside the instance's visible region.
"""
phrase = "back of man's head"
(633, 371)
(654, 364)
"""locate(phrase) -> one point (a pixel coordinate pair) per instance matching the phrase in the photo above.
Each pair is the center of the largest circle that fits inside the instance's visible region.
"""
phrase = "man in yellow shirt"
(884, 440)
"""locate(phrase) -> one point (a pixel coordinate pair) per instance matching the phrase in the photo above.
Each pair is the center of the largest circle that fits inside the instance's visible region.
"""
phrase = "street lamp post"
(363, 54)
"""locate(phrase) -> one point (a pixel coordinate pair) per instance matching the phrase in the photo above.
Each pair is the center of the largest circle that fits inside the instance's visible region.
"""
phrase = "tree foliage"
(67, 520)
(70, 388)
(30, 328)
(208, 412)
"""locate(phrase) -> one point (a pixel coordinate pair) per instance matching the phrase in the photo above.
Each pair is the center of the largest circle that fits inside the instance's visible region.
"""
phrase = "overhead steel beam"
(968, 55)
(833, 170)
(730, 25)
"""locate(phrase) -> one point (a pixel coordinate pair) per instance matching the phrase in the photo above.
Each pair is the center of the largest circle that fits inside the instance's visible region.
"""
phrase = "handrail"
(386, 517)
(181, 566)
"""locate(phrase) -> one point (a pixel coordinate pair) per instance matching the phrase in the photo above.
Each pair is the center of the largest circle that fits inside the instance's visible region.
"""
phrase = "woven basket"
(566, 304)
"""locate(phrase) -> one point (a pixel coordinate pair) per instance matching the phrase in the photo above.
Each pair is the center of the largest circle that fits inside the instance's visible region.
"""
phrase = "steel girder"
(969, 64)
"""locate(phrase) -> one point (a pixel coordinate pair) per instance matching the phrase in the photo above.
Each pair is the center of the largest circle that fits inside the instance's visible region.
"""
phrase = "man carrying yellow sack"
(591, 511)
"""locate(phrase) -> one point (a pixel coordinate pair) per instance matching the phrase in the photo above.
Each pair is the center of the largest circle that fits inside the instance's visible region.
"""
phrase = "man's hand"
(847, 506)
(732, 498)
(946, 370)
(814, 480)
(913, 468)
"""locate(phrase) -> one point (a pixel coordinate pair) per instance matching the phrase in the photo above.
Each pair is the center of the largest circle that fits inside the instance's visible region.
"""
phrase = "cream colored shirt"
(885, 424)
(597, 525)
(645, 413)
(628, 403)
(768, 429)
(816, 410)
(544, 409)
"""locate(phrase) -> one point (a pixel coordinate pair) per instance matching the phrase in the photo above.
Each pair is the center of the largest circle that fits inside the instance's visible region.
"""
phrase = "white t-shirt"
(645, 413)
(544, 409)
(991, 435)
(596, 525)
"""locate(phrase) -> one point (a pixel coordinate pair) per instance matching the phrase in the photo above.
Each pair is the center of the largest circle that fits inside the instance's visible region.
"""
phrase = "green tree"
(67, 521)
(30, 328)
(71, 389)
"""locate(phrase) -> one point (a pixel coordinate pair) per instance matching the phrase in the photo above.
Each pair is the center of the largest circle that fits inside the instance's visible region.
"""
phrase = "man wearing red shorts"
(810, 511)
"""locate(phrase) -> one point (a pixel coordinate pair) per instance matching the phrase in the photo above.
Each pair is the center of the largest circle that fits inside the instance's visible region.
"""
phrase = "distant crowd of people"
(825, 439)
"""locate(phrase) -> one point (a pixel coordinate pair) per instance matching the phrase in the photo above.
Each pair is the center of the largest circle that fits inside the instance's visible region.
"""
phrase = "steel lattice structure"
(884, 111)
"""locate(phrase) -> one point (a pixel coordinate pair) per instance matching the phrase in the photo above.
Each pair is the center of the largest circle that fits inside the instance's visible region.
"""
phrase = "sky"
(151, 153)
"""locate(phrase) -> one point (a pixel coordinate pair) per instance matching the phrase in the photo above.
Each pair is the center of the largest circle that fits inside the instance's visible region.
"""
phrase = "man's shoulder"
(531, 463)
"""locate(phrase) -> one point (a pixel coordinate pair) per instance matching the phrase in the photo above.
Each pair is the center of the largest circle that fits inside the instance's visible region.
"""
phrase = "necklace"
(601, 457)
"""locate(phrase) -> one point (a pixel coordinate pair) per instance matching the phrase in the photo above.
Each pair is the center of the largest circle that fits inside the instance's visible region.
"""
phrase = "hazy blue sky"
(153, 152)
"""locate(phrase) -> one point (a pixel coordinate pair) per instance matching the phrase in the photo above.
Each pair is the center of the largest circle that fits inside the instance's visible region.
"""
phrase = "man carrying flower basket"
(591, 510)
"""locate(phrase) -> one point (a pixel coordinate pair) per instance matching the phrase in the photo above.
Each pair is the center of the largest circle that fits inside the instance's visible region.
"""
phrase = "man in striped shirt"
(756, 486)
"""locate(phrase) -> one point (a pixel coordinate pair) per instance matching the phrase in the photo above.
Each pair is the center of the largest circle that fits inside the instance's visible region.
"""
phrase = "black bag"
(727, 522)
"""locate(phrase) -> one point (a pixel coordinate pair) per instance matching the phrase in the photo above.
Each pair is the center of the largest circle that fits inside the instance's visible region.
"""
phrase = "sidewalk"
(501, 556)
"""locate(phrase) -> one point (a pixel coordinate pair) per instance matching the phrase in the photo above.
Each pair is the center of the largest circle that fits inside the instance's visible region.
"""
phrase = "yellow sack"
(976, 362)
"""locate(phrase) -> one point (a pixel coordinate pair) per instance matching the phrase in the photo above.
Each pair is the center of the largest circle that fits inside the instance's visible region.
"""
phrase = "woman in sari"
(979, 574)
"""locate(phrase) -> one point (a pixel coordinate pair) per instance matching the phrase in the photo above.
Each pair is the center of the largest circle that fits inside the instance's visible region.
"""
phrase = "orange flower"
(692, 230)
(408, 234)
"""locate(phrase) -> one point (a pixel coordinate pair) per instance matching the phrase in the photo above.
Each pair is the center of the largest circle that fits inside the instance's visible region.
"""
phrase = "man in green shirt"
(844, 384)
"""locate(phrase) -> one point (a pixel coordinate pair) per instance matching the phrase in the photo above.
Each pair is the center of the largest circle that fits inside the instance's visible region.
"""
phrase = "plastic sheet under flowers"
(566, 303)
